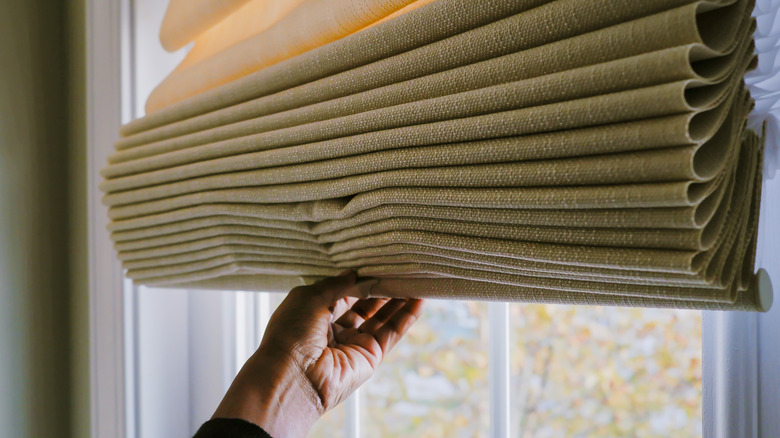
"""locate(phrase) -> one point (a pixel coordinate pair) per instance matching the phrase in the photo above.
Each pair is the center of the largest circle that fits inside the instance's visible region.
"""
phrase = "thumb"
(326, 292)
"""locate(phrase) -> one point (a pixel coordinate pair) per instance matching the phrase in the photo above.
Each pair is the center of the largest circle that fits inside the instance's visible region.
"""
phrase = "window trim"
(498, 369)
(107, 22)
(730, 372)
(732, 365)
(741, 351)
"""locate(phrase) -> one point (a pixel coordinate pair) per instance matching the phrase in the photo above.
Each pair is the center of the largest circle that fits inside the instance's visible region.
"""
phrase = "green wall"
(44, 375)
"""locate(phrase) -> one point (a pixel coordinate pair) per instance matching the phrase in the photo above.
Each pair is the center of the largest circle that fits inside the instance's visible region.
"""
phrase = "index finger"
(398, 324)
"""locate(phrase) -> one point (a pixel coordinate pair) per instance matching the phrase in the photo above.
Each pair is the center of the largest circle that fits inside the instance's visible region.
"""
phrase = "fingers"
(380, 312)
(360, 311)
(392, 321)
(372, 324)
(342, 306)
(327, 291)
(335, 288)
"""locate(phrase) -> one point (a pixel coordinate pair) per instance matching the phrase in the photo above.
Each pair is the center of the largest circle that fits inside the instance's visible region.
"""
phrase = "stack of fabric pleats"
(566, 151)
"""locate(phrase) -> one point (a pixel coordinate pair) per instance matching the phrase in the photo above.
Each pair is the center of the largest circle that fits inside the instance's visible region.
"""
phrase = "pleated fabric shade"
(569, 151)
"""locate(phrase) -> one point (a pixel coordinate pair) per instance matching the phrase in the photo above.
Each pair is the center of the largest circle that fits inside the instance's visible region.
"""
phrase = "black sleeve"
(230, 428)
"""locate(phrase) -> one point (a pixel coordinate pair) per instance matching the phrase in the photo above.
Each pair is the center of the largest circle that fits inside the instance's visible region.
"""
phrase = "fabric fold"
(536, 151)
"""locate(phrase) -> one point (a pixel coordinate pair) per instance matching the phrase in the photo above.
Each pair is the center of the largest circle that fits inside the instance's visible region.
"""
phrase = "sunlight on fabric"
(260, 34)
(508, 152)
(186, 19)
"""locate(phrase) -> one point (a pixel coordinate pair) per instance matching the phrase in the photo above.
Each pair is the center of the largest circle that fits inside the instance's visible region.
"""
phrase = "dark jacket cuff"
(230, 428)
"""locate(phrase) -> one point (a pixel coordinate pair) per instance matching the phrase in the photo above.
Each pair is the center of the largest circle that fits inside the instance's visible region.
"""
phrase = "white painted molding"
(769, 323)
(352, 415)
(742, 350)
(104, 114)
(769, 372)
(730, 373)
(498, 363)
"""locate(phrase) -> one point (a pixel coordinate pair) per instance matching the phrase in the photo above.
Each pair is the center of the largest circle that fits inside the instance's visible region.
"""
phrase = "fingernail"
(364, 286)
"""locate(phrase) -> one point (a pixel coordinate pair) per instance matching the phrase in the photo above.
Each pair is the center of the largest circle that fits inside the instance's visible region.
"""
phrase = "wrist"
(273, 393)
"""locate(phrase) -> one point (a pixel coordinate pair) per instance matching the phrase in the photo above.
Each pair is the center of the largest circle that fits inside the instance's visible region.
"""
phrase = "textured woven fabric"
(186, 19)
(424, 72)
(617, 107)
(402, 34)
(539, 151)
(226, 29)
(407, 32)
(317, 23)
(563, 85)
(594, 80)
(697, 163)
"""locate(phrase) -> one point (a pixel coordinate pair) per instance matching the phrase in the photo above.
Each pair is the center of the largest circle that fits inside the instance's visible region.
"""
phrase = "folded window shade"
(590, 152)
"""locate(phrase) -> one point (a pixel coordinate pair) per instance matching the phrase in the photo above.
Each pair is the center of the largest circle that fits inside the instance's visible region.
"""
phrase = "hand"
(321, 344)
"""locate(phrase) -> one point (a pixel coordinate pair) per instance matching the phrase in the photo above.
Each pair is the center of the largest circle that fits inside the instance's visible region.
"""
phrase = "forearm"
(273, 394)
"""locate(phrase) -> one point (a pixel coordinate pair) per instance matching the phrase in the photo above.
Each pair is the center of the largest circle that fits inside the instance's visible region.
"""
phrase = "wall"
(35, 226)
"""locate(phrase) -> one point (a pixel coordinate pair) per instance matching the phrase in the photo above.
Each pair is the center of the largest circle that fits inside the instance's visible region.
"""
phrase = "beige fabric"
(211, 263)
(361, 48)
(618, 137)
(219, 230)
(680, 239)
(655, 195)
(254, 17)
(196, 223)
(603, 274)
(251, 18)
(303, 28)
(186, 19)
(195, 245)
(663, 238)
(450, 288)
(333, 216)
(593, 80)
(599, 161)
(617, 107)
(402, 78)
(396, 36)
(572, 83)
(505, 233)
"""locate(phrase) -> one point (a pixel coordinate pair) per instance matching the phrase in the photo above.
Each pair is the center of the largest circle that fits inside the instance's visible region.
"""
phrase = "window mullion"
(498, 314)
(352, 416)
(243, 320)
(130, 309)
(262, 315)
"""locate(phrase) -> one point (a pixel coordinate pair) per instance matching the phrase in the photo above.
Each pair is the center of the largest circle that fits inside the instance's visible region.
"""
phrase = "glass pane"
(606, 372)
(330, 425)
(274, 300)
(435, 382)
(253, 309)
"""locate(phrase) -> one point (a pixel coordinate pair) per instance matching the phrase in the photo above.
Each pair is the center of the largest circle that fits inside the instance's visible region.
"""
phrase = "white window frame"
(741, 350)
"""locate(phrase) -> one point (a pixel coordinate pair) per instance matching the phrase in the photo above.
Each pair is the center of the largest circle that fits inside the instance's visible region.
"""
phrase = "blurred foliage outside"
(576, 371)
(605, 372)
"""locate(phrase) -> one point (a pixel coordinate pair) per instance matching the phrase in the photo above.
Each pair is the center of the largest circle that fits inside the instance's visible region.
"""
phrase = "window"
(467, 369)
(600, 371)
(568, 374)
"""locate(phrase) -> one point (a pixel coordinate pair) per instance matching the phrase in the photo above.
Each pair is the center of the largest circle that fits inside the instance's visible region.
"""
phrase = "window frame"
(740, 354)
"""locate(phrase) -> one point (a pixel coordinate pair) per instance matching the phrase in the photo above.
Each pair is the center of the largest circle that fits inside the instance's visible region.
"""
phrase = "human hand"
(320, 345)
